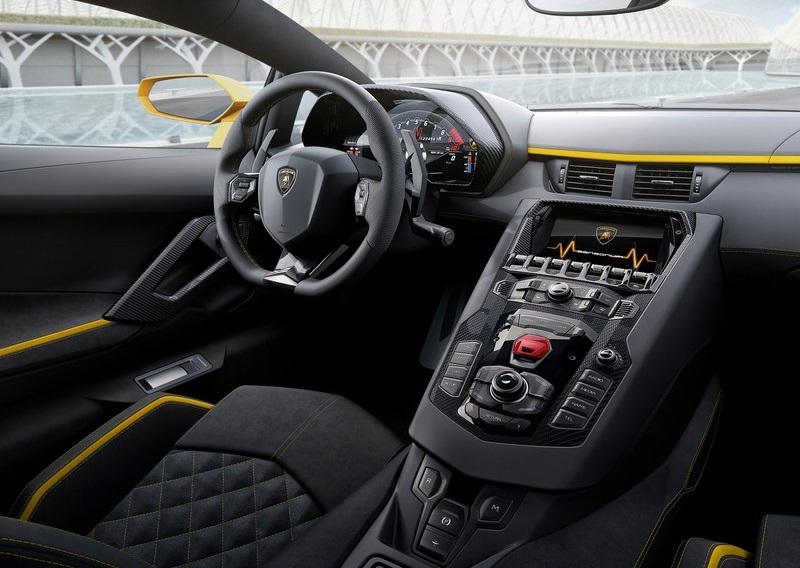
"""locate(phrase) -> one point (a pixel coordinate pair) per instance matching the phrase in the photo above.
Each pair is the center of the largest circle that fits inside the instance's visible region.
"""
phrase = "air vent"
(504, 288)
(671, 182)
(594, 178)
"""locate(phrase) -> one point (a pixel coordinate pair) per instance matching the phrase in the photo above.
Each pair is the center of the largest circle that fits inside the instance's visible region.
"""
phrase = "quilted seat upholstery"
(266, 477)
(202, 509)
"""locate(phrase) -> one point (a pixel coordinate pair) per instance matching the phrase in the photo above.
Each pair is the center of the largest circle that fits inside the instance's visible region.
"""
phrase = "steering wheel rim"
(385, 196)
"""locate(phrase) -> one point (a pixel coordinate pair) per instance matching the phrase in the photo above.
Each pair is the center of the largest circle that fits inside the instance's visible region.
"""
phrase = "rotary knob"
(508, 386)
(559, 292)
(606, 357)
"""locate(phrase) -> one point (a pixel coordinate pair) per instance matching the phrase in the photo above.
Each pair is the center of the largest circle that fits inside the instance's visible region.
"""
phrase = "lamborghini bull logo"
(605, 234)
(286, 177)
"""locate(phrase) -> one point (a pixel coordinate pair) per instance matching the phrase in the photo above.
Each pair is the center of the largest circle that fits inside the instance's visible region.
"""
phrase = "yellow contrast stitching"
(683, 490)
(47, 547)
(763, 538)
(50, 562)
(76, 462)
(290, 439)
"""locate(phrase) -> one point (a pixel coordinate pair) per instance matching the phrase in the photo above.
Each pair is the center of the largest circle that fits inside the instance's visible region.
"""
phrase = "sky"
(769, 15)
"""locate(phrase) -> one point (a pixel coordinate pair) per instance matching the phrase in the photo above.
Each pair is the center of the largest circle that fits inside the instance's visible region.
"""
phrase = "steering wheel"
(311, 198)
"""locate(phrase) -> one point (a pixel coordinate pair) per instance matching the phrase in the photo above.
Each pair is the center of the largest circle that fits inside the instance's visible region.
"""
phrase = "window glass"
(713, 53)
(69, 73)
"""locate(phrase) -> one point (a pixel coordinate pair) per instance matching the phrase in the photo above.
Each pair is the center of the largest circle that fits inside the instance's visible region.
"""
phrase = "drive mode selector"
(559, 292)
(508, 386)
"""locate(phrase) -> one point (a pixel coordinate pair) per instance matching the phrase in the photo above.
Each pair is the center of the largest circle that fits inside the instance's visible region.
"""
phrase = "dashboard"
(576, 355)
(461, 145)
(484, 154)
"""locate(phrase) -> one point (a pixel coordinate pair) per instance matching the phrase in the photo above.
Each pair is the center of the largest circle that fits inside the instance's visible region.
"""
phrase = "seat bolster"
(778, 543)
(330, 445)
(703, 553)
(77, 490)
(31, 545)
(337, 533)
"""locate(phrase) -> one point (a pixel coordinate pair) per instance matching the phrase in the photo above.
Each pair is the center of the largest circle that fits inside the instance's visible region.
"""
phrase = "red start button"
(531, 346)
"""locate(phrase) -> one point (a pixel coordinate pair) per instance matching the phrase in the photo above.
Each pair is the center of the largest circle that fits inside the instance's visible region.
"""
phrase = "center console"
(529, 386)
(573, 349)
(547, 352)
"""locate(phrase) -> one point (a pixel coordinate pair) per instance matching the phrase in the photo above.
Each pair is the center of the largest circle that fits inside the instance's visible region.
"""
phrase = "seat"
(776, 546)
(174, 481)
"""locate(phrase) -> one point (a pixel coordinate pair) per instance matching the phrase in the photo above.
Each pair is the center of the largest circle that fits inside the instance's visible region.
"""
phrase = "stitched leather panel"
(209, 509)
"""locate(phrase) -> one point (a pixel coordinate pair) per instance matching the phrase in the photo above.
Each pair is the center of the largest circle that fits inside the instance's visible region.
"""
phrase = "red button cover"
(531, 346)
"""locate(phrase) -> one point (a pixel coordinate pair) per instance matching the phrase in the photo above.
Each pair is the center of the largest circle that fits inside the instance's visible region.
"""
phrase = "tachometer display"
(450, 154)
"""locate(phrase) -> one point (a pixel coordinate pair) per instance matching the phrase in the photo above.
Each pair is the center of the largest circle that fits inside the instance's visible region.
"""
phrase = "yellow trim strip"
(750, 159)
(723, 550)
(784, 160)
(71, 465)
(51, 337)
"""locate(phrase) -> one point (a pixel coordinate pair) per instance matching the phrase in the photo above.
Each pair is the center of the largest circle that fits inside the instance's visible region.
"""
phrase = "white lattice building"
(513, 19)
(461, 38)
(784, 57)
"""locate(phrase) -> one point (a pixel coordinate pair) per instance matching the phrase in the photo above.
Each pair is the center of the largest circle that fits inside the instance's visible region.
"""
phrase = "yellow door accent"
(51, 337)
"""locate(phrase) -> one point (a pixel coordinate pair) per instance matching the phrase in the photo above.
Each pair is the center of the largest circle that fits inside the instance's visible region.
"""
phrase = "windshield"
(69, 70)
(686, 52)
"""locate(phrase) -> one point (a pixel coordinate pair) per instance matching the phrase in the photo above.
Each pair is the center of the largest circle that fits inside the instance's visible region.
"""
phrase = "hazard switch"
(531, 346)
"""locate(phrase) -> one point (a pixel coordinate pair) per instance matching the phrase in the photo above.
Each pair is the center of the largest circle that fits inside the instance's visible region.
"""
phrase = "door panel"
(94, 290)
(81, 225)
(93, 225)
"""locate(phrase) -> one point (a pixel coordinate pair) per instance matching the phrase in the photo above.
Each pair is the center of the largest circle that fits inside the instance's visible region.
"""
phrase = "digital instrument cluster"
(459, 145)
(450, 154)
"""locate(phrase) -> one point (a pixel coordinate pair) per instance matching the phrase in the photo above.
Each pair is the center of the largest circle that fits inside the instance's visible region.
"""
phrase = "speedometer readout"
(450, 155)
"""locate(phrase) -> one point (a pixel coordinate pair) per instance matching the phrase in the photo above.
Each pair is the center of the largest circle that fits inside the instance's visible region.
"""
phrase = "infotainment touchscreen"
(622, 244)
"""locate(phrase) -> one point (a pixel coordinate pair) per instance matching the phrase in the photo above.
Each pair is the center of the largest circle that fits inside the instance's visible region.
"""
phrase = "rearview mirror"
(199, 98)
(591, 7)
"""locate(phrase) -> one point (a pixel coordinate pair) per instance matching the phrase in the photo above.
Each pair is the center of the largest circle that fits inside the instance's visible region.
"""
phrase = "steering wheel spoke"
(290, 269)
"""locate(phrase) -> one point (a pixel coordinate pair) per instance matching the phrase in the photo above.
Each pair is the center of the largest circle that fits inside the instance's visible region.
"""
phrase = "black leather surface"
(203, 509)
(326, 442)
(31, 545)
(251, 476)
(83, 496)
(333, 538)
(698, 553)
(633, 529)
(779, 545)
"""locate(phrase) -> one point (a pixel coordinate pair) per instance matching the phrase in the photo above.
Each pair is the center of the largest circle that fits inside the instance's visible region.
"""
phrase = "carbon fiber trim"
(483, 326)
(141, 303)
